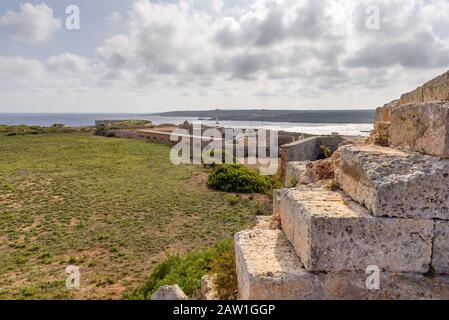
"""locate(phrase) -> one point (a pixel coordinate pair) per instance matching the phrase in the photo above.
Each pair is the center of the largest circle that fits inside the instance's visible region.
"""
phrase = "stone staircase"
(390, 213)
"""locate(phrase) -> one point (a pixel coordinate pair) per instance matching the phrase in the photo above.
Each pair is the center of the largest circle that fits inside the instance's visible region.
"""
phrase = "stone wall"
(307, 149)
(434, 90)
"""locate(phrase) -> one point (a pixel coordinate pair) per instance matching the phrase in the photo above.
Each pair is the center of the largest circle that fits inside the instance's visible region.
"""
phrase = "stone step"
(268, 269)
(332, 233)
(395, 183)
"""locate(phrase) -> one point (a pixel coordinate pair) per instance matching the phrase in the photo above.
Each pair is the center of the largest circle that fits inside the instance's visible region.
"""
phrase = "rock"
(307, 149)
(383, 113)
(434, 90)
(169, 293)
(293, 173)
(440, 258)
(421, 127)
(394, 183)
(308, 172)
(266, 223)
(208, 289)
(332, 233)
(268, 269)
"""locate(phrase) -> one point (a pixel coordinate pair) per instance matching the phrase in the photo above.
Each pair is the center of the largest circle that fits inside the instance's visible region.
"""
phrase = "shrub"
(327, 152)
(382, 139)
(232, 200)
(333, 186)
(238, 178)
(187, 271)
(293, 182)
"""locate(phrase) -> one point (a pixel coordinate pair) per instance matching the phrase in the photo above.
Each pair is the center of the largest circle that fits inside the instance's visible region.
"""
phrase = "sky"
(147, 56)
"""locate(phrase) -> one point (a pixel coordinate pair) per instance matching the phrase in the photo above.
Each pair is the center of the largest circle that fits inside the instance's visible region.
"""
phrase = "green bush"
(187, 271)
(238, 178)
(382, 139)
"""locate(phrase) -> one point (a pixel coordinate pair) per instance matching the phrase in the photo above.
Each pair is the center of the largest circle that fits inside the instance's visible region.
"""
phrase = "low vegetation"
(238, 178)
(187, 271)
(113, 207)
(333, 185)
(382, 139)
(21, 130)
(327, 152)
(109, 130)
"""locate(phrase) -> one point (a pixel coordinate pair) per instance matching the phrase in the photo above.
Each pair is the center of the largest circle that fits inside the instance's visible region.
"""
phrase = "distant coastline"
(292, 116)
(348, 122)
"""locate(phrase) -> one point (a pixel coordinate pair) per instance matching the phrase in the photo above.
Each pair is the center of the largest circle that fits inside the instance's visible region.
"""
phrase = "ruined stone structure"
(369, 207)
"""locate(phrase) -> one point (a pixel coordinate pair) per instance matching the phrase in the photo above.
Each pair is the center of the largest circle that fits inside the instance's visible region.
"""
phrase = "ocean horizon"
(88, 119)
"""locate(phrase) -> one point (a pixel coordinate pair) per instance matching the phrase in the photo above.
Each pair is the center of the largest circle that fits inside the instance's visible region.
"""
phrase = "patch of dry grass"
(113, 207)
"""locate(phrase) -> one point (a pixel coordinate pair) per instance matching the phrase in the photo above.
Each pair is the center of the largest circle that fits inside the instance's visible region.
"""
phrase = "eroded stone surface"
(268, 268)
(440, 258)
(421, 127)
(293, 172)
(208, 288)
(173, 292)
(434, 90)
(332, 233)
(394, 183)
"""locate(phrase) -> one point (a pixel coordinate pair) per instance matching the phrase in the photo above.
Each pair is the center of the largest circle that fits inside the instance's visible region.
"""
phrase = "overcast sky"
(151, 56)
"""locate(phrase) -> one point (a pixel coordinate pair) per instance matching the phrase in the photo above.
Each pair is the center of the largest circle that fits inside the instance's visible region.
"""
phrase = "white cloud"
(114, 17)
(33, 24)
(264, 53)
(20, 68)
(67, 63)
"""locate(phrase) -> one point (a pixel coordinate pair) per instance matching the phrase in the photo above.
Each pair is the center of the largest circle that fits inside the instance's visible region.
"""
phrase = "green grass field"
(112, 207)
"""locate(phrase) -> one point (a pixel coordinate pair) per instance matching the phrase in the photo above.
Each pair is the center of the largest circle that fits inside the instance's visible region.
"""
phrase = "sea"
(84, 119)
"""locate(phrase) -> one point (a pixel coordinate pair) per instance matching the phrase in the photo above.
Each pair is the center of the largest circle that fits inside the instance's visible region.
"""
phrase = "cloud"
(33, 24)
(19, 68)
(262, 52)
(67, 63)
(114, 18)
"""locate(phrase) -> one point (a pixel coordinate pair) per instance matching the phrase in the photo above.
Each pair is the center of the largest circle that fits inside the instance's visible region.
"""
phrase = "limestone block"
(208, 287)
(440, 258)
(293, 172)
(169, 293)
(383, 113)
(268, 269)
(395, 183)
(421, 127)
(332, 233)
(434, 90)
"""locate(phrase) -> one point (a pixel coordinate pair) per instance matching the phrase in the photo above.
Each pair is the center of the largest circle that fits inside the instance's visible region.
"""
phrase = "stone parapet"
(332, 233)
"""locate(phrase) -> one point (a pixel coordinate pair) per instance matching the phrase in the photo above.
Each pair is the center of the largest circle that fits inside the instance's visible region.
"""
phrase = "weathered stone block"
(307, 149)
(268, 269)
(434, 90)
(421, 127)
(440, 257)
(395, 183)
(332, 233)
(173, 292)
(293, 173)
(383, 113)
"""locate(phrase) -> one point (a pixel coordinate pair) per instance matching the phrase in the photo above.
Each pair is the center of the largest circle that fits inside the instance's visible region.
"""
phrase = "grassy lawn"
(112, 207)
